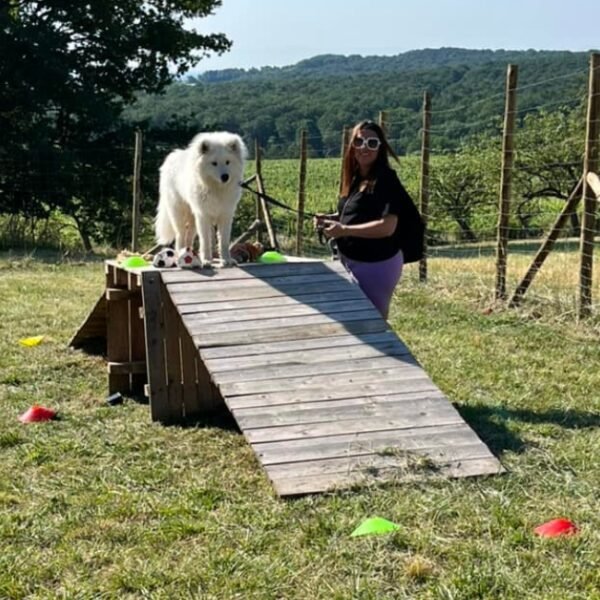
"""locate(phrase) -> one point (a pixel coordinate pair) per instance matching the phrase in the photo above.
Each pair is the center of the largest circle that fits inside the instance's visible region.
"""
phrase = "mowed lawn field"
(103, 503)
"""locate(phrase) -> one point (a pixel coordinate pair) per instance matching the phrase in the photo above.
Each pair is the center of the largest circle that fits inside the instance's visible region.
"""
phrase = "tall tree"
(67, 70)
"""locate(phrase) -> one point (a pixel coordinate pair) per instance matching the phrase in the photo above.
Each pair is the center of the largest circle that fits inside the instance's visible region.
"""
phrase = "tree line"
(77, 79)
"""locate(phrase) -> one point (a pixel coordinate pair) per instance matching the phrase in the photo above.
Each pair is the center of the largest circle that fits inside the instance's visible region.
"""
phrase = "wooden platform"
(324, 391)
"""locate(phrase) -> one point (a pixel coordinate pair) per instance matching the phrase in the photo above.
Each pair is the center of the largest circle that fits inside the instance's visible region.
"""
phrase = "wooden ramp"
(324, 391)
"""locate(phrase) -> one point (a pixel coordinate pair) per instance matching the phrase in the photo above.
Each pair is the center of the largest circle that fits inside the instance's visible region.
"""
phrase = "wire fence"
(463, 185)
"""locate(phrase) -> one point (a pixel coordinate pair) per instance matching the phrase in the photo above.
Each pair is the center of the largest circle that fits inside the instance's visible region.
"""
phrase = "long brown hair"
(349, 164)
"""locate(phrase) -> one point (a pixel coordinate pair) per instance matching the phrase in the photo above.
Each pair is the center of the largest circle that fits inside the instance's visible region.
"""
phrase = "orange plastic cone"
(36, 414)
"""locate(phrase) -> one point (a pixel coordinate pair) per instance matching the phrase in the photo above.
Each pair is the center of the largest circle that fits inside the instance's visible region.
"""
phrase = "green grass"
(103, 503)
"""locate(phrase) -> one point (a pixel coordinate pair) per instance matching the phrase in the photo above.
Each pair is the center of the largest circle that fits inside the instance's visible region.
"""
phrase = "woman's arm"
(381, 228)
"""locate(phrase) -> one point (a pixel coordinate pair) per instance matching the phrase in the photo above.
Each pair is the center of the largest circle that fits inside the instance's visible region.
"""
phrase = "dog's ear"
(204, 147)
(234, 147)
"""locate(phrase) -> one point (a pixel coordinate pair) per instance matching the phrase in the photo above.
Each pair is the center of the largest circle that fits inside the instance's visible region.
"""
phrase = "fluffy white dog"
(200, 190)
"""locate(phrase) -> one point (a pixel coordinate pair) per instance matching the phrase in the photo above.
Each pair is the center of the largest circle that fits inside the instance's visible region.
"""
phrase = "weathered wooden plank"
(277, 311)
(331, 482)
(318, 381)
(333, 367)
(117, 332)
(385, 420)
(372, 442)
(299, 332)
(126, 368)
(281, 283)
(260, 291)
(137, 343)
(252, 271)
(405, 461)
(93, 326)
(155, 336)
(196, 327)
(393, 347)
(342, 410)
(261, 349)
(173, 362)
(412, 388)
(322, 300)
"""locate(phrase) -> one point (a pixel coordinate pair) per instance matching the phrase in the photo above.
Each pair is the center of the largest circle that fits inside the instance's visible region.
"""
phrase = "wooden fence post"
(545, 249)
(424, 189)
(590, 164)
(345, 137)
(257, 170)
(506, 180)
(301, 194)
(383, 121)
(137, 191)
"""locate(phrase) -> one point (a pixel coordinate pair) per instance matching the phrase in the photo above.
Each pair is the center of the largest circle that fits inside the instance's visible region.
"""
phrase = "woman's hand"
(320, 218)
(333, 229)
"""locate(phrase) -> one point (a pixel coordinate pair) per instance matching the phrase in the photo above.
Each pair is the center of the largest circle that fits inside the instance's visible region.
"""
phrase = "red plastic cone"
(37, 413)
(556, 527)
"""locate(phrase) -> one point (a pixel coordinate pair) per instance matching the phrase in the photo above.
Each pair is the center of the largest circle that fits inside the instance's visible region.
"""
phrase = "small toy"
(165, 259)
(134, 262)
(556, 527)
(374, 526)
(245, 252)
(271, 256)
(36, 414)
(188, 259)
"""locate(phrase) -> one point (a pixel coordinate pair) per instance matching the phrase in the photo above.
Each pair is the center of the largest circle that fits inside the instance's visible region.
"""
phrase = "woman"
(376, 218)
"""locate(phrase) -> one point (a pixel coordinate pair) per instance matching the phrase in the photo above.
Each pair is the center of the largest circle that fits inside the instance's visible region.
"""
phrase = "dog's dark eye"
(214, 163)
(226, 162)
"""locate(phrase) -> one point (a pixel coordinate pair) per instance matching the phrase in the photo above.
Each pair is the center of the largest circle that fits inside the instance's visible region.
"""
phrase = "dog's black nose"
(224, 178)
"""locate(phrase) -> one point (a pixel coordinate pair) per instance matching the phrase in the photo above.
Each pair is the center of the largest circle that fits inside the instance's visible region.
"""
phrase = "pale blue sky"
(282, 32)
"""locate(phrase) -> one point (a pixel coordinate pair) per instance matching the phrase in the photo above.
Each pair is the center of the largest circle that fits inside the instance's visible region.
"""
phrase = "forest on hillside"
(324, 94)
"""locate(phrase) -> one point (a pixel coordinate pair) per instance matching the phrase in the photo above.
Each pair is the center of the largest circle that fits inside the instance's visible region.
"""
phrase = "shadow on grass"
(221, 420)
(491, 423)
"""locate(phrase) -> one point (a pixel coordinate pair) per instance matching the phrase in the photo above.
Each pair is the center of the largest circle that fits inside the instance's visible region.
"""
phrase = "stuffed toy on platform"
(245, 252)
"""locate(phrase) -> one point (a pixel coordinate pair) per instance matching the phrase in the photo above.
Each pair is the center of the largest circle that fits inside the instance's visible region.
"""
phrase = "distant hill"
(414, 60)
(325, 93)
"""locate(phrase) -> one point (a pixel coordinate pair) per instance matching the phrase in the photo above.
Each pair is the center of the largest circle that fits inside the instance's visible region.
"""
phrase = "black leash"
(272, 200)
(322, 239)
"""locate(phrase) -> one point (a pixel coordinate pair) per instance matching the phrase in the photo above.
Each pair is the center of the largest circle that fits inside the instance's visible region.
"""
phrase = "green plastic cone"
(374, 526)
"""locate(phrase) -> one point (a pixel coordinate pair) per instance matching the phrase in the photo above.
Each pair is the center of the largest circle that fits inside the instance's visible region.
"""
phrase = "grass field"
(103, 503)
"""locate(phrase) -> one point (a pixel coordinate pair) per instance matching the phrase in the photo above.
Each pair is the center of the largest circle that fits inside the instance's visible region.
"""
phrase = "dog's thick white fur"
(200, 189)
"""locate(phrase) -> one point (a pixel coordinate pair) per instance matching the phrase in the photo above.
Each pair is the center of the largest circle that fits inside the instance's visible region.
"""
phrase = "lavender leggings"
(377, 279)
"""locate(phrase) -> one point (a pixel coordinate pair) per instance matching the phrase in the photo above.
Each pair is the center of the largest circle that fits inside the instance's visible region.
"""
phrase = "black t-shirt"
(386, 197)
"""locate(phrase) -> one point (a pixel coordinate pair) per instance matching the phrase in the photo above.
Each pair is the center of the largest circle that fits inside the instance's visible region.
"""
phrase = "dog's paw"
(227, 262)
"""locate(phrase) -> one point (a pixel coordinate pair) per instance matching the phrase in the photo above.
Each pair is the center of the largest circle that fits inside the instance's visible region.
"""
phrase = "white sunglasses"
(372, 143)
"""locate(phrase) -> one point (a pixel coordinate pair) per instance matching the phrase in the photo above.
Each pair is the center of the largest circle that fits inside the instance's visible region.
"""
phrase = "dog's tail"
(163, 229)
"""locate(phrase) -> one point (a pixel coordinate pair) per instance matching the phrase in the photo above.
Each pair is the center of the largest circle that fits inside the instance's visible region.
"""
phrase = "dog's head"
(221, 156)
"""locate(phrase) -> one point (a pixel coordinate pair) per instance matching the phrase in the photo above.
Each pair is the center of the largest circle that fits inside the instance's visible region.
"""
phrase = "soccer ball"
(165, 259)
(188, 259)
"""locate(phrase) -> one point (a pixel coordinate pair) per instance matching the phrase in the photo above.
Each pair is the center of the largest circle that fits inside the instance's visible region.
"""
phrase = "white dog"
(200, 189)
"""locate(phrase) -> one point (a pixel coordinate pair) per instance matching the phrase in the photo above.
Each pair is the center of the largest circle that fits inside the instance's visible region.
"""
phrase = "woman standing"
(377, 227)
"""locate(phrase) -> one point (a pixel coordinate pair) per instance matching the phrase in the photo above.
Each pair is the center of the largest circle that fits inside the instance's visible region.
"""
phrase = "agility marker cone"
(374, 526)
(36, 414)
(556, 527)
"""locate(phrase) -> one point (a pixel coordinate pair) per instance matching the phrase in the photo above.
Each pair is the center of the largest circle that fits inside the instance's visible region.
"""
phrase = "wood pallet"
(324, 391)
